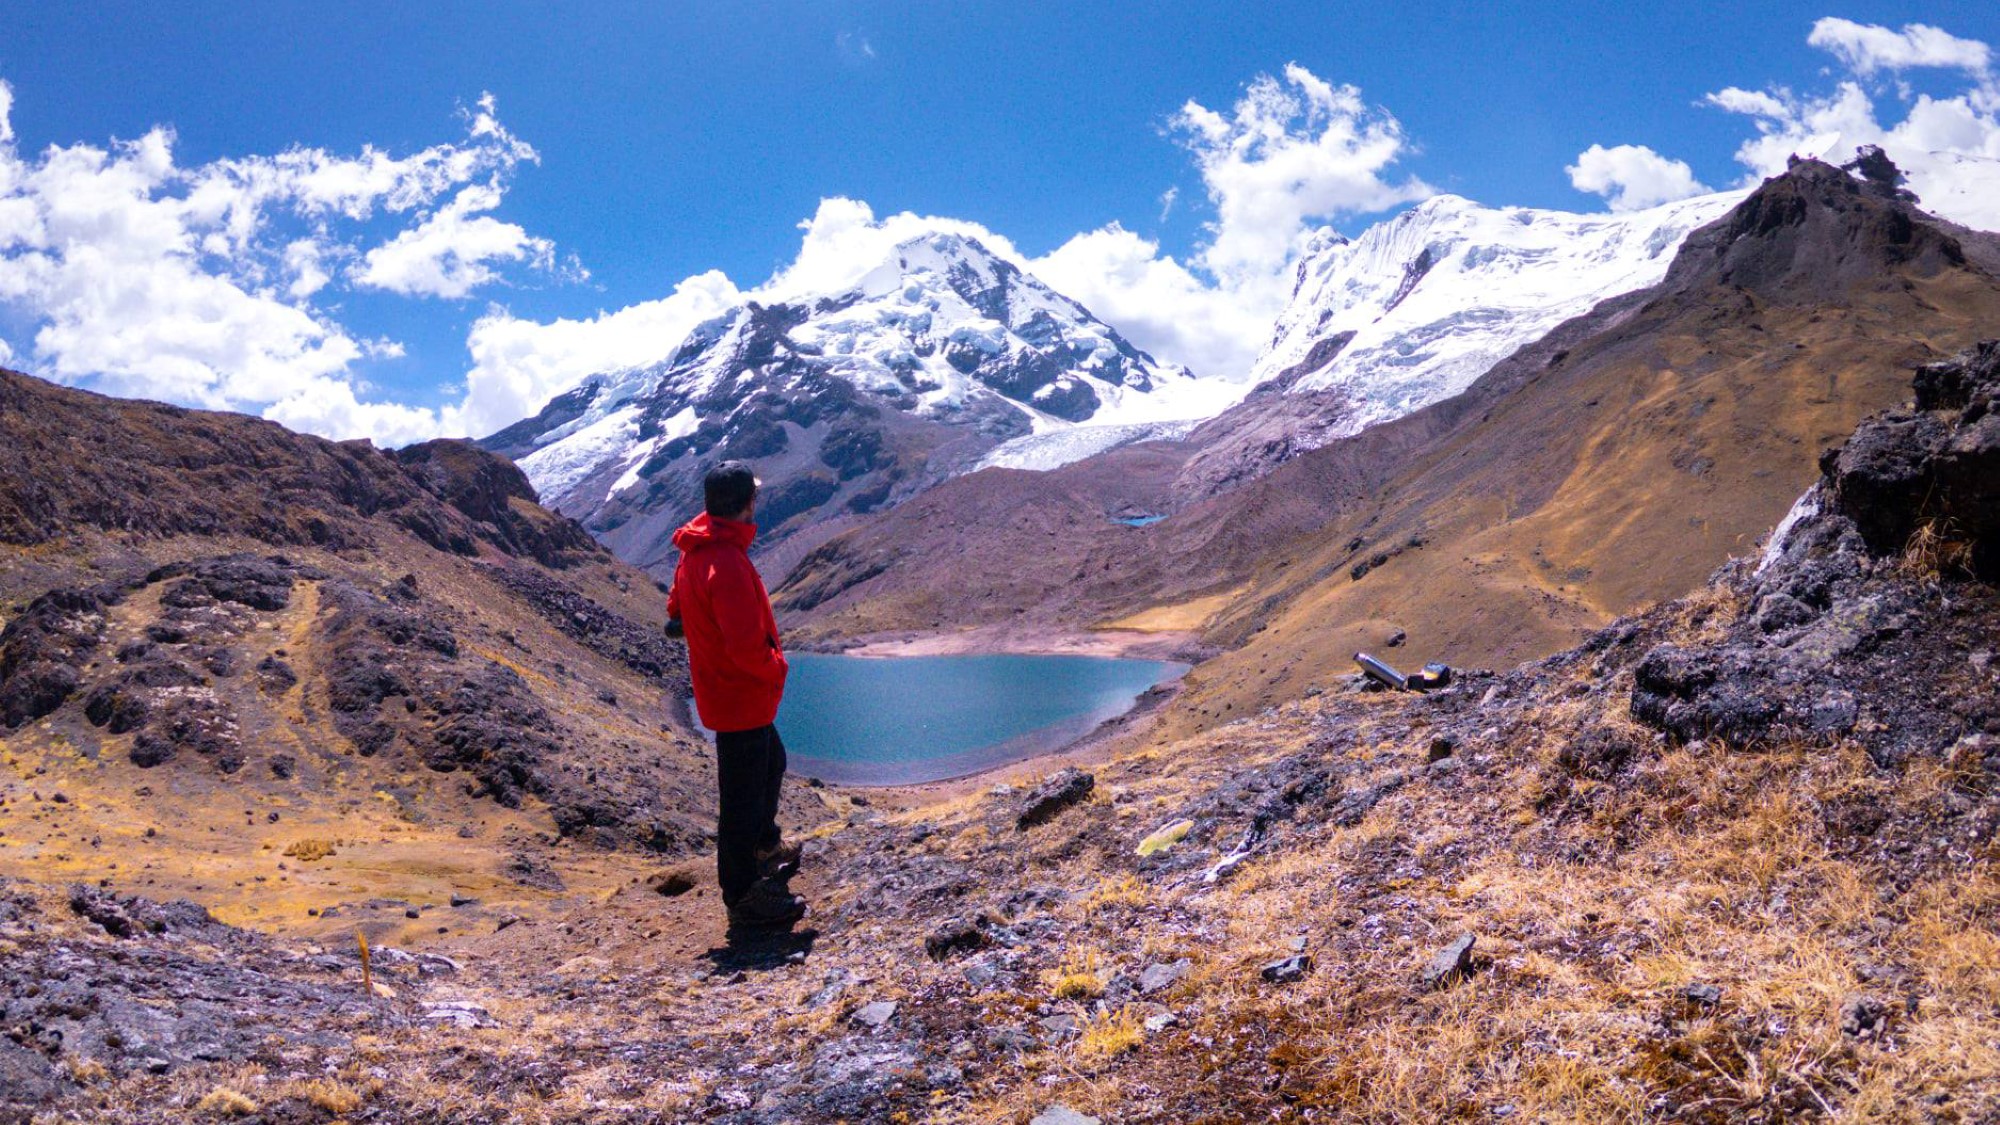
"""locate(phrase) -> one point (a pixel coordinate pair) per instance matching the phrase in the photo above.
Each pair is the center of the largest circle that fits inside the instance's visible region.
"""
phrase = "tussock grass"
(225, 1102)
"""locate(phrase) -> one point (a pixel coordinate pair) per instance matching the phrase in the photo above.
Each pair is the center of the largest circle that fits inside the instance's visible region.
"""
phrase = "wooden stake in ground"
(367, 979)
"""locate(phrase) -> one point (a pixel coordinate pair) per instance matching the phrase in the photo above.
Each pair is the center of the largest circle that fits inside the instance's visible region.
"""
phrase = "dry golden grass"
(1109, 1034)
(332, 1095)
(311, 849)
(1079, 976)
(1121, 890)
(1936, 551)
(225, 1102)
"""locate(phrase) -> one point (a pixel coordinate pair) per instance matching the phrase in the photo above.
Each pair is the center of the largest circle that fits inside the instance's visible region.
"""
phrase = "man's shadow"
(761, 950)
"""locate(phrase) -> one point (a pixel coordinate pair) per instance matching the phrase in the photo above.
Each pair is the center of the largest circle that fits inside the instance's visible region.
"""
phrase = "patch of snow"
(557, 468)
(1805, 507)
(1058, 447)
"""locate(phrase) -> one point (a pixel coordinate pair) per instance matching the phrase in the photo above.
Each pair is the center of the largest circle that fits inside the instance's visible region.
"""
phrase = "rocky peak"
(1813, 232)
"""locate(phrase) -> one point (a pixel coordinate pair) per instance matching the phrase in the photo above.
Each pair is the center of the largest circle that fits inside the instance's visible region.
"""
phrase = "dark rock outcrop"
(43, 650)
(1862, 616)
(1067, 786)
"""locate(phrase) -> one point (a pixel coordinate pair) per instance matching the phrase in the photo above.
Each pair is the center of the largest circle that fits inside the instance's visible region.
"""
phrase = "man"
(718, 603)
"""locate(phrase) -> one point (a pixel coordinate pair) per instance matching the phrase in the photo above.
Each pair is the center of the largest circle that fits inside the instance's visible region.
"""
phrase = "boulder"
(1452, 963)
(1067, 786)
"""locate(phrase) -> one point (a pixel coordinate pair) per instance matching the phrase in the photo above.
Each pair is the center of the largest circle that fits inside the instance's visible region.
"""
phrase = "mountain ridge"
(1383, 533)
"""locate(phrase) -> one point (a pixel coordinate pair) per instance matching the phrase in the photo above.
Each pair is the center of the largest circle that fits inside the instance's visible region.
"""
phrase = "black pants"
(749, 769)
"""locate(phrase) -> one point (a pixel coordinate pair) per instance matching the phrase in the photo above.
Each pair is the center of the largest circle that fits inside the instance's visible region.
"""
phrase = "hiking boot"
(780, 861)
(766, 906)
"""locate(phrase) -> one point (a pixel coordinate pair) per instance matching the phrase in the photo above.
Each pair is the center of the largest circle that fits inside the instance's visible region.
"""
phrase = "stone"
(1290, 969)
(1067, 786)
(1060, 1114)
(981, 974)
(876, 1015)
(460, 1013)
(1863, 1017)
(1702, 995)
(1160, 1021)
(1061, 1024)
(957, 935)
(438, 965)
(1157, 977)
(1451, 963)
(1778, 612)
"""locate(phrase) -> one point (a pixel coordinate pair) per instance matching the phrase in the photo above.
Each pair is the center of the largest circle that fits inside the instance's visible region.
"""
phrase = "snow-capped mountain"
(1439, 294)
(1416, 308)
(846, 401)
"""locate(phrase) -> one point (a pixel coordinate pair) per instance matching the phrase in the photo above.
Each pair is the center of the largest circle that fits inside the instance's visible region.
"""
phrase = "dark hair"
(728, 489)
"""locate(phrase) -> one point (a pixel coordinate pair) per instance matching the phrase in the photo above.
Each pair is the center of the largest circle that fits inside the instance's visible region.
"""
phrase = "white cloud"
(1633, 177)
(197, 284)
(1289, 152)
(330, 406)
(1866, 48)
(1948, 146)
(519, 365)
(844, 241)
(1159, 303)
(451, 252)
(854, 47)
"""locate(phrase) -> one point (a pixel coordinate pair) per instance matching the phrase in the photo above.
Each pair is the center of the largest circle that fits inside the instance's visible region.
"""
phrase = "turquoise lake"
(895, 720)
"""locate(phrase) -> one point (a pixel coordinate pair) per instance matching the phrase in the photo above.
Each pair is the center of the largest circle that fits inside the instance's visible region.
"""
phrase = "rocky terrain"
(1726, 860)
(1606, 466)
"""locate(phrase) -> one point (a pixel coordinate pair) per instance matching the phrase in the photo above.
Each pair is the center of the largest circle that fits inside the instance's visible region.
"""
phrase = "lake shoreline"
(1094, 746)
(1027, 640)
(1100, 745)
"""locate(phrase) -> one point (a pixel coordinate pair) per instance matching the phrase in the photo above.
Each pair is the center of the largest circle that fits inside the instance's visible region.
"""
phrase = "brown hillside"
(227, 644)
(1608, 466)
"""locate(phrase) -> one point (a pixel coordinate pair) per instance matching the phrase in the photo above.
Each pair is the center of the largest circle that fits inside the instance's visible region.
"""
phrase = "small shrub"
(1111, 1033)
(225, 1102)
(1124, 891)
(310, 849)
(1077, 978)
(333, 1096)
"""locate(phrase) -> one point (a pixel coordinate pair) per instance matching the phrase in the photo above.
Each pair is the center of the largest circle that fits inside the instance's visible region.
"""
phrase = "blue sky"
(673, 139)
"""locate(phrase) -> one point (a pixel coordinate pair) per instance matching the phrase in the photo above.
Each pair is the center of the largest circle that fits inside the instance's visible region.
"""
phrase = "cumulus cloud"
(1633, 177)
(452, 252)
(1866, 48)
(1290, 151)
(1949, 146)
(197, 284)
(1161, 304)
(518, 365)
(843, 241)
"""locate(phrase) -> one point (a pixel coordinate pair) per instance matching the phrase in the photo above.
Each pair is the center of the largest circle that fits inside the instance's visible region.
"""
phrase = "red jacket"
(733, 652)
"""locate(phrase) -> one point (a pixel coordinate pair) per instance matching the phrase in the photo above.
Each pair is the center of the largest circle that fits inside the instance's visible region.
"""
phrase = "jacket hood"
(705, 530)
